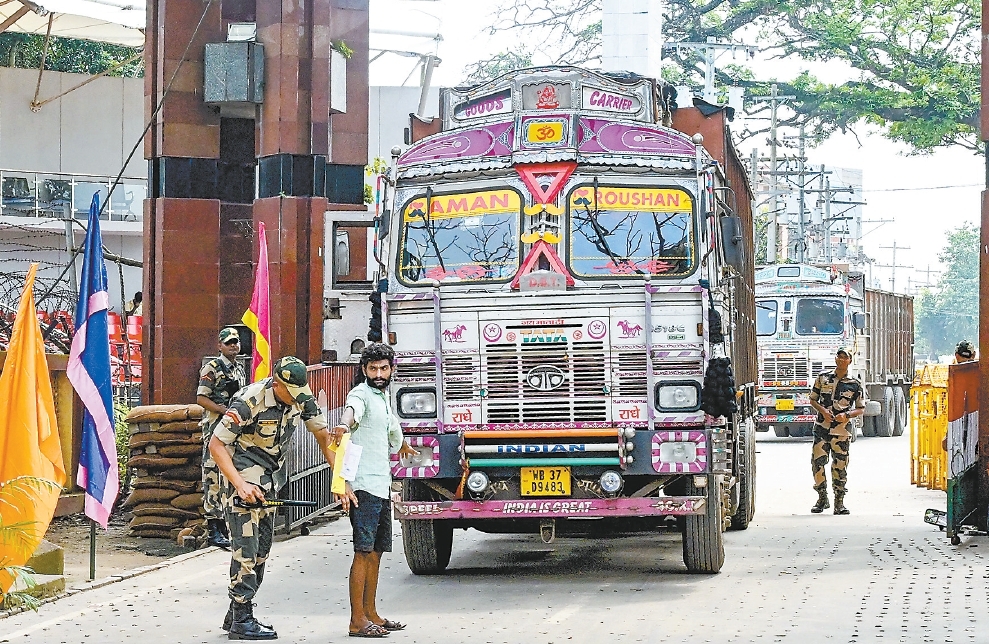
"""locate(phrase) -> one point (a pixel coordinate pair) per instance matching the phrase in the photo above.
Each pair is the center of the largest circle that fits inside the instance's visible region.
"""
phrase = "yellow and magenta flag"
(256, 318)
(31, 468)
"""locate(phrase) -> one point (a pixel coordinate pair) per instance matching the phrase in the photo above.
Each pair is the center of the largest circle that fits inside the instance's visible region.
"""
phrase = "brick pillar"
(300, 167)
(201, 215)
(181, 216)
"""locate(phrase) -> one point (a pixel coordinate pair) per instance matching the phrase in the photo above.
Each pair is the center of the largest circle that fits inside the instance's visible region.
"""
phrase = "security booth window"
(462, 237)
(630, 231)
(765, 317)
(820, 317)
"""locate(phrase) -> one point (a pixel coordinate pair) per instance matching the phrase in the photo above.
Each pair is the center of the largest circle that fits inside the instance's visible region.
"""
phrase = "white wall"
(89, 131)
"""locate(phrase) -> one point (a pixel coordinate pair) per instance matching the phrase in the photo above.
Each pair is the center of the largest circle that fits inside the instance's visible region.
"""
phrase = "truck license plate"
(545, 481)
(784, 404)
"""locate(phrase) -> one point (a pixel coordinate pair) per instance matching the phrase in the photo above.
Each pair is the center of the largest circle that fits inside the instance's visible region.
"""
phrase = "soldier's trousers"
(212, 500)
(250, 545)
(836, 448)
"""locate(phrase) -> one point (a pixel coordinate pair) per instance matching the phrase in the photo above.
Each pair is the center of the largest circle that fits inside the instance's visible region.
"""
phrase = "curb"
(112, 579)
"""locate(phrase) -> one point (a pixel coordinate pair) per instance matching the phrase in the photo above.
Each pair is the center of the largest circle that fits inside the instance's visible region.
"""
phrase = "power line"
(961, 185)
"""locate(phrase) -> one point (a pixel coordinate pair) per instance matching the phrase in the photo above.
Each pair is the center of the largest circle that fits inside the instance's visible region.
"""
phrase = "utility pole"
(827, 193)
(894, 265)
(775, 100)
(927, 272)
(801, 203)
(711, 50)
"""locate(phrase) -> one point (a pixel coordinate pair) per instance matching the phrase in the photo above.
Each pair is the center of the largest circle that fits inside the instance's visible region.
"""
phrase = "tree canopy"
(949, 312)
(67, 55)
(914, 64)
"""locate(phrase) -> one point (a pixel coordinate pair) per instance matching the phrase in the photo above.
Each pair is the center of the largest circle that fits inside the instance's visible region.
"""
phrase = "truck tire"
(746, 480)
(780, 431)
(901, 405)
(428, 543)
(868, 426)
(703, 541)
(886, 420)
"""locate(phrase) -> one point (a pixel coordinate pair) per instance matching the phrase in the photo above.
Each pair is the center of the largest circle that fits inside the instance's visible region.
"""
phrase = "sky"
(918, 192)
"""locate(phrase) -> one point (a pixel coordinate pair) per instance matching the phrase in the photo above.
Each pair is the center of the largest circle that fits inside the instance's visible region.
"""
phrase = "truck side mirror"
(858, 320)
(732, 242)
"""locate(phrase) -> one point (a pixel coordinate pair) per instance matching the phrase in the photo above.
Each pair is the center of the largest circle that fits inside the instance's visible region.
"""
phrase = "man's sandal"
(390, 626)
(371, 630)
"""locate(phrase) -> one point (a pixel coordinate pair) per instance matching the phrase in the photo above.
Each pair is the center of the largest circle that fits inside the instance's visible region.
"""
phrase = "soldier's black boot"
(245, 627)
(214, 534)
(839, 503)
(228, 619)
(822, 502)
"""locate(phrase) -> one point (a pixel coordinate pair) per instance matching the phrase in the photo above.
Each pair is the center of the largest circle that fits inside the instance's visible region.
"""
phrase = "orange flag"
(31, 469)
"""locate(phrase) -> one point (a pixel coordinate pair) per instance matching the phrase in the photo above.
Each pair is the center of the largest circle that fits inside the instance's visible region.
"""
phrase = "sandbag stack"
(166, 459)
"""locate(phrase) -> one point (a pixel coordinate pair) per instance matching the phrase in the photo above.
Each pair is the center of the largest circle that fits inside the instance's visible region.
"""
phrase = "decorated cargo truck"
(570, 297)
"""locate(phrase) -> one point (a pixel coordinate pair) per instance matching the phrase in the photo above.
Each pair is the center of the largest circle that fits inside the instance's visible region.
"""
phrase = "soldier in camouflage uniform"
(248, 446)
(837, 398)
(219, 380)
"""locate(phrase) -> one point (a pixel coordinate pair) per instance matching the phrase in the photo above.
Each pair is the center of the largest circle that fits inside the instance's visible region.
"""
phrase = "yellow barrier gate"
(929, 427)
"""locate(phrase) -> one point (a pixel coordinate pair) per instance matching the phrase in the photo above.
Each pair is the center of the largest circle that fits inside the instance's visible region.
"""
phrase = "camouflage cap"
(291, 372)
(229, 333)
(845, 350)
(965, 349)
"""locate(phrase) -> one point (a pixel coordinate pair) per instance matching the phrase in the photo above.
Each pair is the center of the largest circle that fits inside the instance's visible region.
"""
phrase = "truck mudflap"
(551, 508)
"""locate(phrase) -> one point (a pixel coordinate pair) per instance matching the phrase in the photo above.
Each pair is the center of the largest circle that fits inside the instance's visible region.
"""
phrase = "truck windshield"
(467, 237)
(820, 317)
(765, 317)
(630, 231)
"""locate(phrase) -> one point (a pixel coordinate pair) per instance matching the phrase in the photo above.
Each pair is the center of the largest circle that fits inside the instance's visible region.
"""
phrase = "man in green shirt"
(368, 412)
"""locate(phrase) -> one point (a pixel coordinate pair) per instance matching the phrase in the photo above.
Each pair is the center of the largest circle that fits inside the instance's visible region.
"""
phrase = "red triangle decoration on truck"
(531, 263)
(558, 172)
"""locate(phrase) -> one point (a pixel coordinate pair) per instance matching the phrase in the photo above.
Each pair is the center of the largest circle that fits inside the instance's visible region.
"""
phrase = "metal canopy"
(120, 22)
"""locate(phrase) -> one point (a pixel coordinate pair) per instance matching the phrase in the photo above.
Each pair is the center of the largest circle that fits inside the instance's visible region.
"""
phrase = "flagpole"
(92, 550)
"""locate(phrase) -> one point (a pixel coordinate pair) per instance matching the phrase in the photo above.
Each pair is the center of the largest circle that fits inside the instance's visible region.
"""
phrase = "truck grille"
(630, 374)
(461, 380)
(776, 368)
(580, 397)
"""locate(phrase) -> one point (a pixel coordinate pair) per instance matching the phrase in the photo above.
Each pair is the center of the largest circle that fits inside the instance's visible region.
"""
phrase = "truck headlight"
(678, 452)
(682, 395)
(417, 403)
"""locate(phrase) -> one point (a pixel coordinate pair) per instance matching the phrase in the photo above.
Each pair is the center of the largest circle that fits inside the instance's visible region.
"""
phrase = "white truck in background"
(804, 314)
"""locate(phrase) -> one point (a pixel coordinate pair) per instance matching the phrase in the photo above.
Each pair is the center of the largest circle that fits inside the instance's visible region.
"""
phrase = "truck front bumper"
(551, 508)
(783, 419)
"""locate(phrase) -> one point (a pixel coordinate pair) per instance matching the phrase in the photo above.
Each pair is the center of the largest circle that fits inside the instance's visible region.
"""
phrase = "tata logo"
(545, 378)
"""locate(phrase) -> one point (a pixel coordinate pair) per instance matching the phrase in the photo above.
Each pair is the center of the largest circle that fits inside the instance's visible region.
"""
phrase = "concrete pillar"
(632, 36)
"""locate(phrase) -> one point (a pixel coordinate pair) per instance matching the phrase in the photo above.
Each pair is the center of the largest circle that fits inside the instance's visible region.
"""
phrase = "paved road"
(879, 575)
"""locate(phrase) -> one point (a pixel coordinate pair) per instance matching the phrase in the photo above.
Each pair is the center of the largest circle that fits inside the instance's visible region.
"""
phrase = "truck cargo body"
(805, 314)
(561, 262)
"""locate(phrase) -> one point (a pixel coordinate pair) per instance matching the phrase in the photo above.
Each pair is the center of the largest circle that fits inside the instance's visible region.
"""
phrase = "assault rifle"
(274, 503)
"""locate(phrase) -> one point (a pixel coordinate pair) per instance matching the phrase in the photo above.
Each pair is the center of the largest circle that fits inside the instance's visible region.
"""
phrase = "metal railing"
(50, 194)
(308, 472)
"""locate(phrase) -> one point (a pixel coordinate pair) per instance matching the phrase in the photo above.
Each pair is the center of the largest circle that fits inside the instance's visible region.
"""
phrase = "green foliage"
(915, 63)
(67, 55)
(377, 167)
(19, 537)
(949, 312)
(341, 47)
(122, 436)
